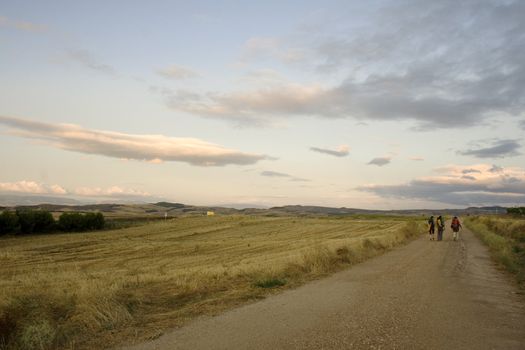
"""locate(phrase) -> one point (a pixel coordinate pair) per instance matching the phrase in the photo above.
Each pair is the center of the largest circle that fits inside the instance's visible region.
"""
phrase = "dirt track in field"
(426, 295)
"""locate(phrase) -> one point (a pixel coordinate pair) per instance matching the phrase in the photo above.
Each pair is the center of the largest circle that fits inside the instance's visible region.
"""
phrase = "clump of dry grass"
(59, 291)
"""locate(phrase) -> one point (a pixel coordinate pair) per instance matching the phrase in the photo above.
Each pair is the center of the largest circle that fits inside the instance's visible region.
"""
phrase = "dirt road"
(426, 295)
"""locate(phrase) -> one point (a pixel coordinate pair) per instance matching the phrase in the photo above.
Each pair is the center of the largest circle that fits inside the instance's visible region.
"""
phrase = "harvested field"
(59, 291)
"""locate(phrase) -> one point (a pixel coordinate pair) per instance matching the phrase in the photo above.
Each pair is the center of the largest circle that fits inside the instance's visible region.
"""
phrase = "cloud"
(113, 191)
(259, 47)
(417, 159)
(265, 48)
(31, 187)
(379, 161)
(86, 59)
(269, 173)
(374, 99)
(341, 151)
(521, 124)
(500, 149)
(470, 171)
(439, 64)
(176, 72)
(299, 179)
(251, 108)
(22, 25)
(263, 77)
(483, 187)
(152, 148)
(496, 169)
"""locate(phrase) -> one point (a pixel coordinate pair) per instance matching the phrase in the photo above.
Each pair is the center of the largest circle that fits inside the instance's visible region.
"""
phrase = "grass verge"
(505, 238)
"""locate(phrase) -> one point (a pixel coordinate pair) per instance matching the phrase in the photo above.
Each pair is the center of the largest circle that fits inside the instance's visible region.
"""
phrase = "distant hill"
(157, 210)
(170, 205)
(316, 210)
(11, 200)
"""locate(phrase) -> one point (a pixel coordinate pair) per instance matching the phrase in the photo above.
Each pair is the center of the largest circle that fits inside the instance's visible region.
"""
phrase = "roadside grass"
(270, 282)
(101, 289)
(505, 237)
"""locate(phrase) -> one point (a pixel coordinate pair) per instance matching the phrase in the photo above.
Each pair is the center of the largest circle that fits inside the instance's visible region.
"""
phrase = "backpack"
(455, 223)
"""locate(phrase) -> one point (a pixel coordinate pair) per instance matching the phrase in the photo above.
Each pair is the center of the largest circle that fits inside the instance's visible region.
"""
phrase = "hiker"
(455, 226)
(440, 222)
(431, 227)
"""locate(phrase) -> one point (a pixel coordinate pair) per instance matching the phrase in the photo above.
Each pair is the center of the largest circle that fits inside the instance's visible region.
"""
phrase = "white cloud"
(86, 59)
(25, 186)
(177, 72)
(259, 47)
(153, 148)
(56, 189)
(22, 25)
(112, 191)
(264, 48)
(33, 187)
(259, 107)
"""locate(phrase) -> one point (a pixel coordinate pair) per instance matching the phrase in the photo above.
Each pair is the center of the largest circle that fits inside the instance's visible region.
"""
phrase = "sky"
(367, 104)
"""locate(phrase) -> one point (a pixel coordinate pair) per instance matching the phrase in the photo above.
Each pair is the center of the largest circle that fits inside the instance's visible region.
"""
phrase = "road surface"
(425, 295)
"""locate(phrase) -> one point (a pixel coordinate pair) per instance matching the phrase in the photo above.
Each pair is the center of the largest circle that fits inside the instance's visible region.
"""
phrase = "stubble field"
(100, 289)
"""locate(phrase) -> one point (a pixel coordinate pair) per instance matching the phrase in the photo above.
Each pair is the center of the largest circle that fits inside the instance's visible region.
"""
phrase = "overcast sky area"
(367, 104)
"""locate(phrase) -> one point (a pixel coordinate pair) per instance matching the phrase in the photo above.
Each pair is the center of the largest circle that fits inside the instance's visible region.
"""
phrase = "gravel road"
(425, 295)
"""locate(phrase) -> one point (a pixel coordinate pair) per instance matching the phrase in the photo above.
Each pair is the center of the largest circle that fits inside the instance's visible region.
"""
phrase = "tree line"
(27, 221)
(516, 211)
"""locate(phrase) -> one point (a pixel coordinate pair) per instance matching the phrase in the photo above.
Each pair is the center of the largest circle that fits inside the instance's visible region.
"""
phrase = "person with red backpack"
(455, 226)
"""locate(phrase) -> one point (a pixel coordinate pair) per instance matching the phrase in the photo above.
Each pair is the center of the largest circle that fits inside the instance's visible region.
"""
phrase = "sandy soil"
(426, 295)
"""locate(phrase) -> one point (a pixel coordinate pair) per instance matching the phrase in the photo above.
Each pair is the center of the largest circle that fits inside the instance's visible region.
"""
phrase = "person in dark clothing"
(440, 222)
(431, 227)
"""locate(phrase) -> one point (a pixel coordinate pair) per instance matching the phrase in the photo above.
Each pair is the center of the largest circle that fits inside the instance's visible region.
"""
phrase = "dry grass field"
(100, 289)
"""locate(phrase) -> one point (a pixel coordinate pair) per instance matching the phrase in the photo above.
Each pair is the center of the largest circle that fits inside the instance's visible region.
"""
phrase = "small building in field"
(210, 213)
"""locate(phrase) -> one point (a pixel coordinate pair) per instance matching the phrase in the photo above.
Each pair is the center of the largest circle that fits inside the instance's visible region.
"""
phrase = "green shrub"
(73, 221)
(8, 222)
(27, 221)
(520, 211)
(35, 221)
(270, 283)
(94, 221)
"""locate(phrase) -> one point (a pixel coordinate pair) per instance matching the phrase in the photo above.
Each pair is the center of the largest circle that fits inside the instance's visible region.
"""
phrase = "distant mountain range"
(11, 200)
(14, 200)
(152, 210)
